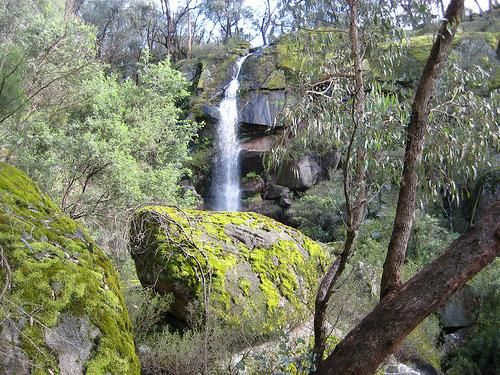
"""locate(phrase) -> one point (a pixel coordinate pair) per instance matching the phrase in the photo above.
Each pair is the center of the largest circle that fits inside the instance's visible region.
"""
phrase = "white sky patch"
(259, 7)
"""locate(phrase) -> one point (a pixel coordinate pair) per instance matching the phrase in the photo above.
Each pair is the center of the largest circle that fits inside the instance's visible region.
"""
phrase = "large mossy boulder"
(61, 304)
(248, 264)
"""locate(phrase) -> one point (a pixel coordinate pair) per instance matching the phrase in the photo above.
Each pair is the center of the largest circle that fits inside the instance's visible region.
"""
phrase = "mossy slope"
(251, 263)
(58, 272)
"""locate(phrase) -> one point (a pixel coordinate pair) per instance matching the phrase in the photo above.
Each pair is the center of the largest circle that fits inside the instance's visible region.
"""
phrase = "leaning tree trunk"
(403, 221)
(398, 313)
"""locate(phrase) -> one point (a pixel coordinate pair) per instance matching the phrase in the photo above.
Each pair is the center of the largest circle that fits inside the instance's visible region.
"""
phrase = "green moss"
(420, 46)
(275, 81)
(57, 269)
(308, 52)
(182, 247)
(423, 341)
(245, 287)
(495, 80)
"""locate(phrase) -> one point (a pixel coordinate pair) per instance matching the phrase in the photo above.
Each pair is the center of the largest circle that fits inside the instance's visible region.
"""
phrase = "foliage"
(124, 146)
(463, 129)
(50, 52)
(285, 355)
(207, 348)
(146, 310)
(11, 72)
(227, 15)
(319, 211)
(462, 121)
(427, 239)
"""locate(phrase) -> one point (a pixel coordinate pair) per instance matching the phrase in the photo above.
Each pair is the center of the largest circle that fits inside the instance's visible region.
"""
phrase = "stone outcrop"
(261, 107)
(460, 311)
(61, 303)
(248, 264)
(268, 80)
(302, 174)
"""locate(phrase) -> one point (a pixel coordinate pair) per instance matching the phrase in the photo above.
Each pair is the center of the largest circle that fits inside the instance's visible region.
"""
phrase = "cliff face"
(269, 79)
(61, 306)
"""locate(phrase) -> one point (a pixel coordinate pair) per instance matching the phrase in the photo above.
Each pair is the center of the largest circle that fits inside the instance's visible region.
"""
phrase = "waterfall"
(226, 186)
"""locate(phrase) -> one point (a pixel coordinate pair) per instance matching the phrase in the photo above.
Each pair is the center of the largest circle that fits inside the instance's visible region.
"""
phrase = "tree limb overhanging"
(416, 131)
(398, 313)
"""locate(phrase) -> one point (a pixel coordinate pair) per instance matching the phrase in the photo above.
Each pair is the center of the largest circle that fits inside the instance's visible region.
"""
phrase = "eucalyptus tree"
(328, 107)
(46, 54)
(227, 15)
(94, 141)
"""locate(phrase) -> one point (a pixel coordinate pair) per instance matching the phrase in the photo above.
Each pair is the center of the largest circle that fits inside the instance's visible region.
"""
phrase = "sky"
(259, 7)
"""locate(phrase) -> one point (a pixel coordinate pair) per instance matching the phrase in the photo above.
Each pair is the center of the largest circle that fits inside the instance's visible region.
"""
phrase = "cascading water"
(226, 187)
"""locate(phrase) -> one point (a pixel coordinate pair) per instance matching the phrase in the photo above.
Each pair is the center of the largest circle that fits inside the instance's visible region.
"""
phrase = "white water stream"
(226, 185)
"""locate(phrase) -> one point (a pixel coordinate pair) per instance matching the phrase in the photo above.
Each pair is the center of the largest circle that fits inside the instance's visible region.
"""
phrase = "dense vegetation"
(102, 104)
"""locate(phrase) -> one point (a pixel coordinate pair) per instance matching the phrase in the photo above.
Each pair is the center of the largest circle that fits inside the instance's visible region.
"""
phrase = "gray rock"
(211, 111)
(261, 107)
(459, 311)
(13, 360)
(253, 237)
(400, 369)
(253, 151)
(473, 50)
(251, 187)
(285, 202)
(73, 340)
(274, 191)
(191, 69)
(301, 175)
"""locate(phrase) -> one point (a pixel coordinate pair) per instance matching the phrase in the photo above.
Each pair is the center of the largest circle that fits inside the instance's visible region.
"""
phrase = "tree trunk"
(403, 222)
(441, 4)
(189, 36)
(479, 8)
(399, 312)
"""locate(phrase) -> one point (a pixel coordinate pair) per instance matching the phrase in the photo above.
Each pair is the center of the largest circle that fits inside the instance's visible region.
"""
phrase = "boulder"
(211, 112)
(302, 174)
(191, 69)
(269, 208)
(459, 311)
(63, 310)
(248, 264)
(273, 192)
(251, 186)
(259, 71)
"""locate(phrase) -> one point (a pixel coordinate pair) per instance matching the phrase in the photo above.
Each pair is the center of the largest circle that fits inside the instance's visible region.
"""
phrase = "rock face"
(459, 311)
(261, 108)
(301, 175)
(63, 310)
(252, 264)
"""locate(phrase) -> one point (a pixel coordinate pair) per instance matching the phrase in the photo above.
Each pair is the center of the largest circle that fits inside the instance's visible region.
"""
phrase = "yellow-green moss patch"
(57, 270)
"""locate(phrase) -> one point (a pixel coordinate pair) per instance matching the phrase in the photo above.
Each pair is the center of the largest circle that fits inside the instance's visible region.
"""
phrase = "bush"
(319, 212)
